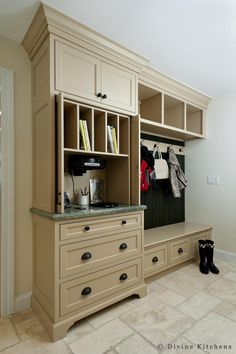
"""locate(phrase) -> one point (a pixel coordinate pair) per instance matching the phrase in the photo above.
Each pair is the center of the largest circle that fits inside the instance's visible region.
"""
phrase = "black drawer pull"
(104, 96)
(87, 228)
(123, 276)
(155, 259)
(180, 250)
(123, 246)
(99, 94)
(123, 222)
(86, 291)
(86, 255)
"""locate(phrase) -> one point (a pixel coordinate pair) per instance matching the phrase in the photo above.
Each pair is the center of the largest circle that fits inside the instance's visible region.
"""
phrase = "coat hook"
(181, 149)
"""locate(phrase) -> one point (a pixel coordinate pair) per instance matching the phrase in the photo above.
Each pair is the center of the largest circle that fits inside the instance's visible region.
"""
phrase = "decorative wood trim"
(49, 20)
(8, 215)
(162, 82)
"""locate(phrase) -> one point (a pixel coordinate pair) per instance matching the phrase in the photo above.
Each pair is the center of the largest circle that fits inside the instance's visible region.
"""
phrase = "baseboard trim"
(225, 255)
(23, 302)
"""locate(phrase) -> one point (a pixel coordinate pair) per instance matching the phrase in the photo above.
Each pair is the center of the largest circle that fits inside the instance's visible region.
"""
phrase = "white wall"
(215, 204)
(13, 56)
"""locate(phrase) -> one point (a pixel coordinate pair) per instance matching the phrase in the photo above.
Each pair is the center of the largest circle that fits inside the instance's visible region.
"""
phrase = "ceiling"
(193, 41)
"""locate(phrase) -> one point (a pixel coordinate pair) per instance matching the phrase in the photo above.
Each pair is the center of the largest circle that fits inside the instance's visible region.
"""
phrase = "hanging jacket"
(145, 180)
(176, 175)
(146, 168)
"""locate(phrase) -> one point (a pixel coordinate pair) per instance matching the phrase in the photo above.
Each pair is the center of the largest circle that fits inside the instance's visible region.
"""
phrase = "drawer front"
(87, 255)
(155, 259)
(203, 236)
(180, 250)
(88, 227)
(87, 290)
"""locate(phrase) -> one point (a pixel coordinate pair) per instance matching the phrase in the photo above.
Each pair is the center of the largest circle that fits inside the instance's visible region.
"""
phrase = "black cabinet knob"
(86, 291)
(99, 94)
(155, 259)
(123, 222)
(86, 255)
(180, 250)
(123, 246)
(104, 96)
(123, 276)
(87, 228)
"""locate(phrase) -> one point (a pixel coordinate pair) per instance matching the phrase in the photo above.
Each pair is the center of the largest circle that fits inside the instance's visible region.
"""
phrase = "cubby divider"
(100, 130)
(124, 135)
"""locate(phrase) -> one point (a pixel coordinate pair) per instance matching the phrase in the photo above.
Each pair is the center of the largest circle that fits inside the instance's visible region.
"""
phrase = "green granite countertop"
(75, 212)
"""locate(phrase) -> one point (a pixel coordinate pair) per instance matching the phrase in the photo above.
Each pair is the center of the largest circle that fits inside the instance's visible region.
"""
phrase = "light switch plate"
(213, 179)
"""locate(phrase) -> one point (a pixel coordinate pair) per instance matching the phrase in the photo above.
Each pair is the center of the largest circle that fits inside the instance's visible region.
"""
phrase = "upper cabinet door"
(119, 87)
(94, 81)
(77, 72)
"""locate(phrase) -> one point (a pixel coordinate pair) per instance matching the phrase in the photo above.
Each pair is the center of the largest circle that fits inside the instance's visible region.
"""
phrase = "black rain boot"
(209, 255)
(202, 255)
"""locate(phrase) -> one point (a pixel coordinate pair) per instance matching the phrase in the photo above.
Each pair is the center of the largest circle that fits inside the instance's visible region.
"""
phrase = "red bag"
(144, 185)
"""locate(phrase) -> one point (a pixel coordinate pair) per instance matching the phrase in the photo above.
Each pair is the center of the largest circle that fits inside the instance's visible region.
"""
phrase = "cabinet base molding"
(58, 330)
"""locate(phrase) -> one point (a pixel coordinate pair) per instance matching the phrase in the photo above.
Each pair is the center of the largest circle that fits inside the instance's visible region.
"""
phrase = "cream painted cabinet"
(80, 73)
(83, 266)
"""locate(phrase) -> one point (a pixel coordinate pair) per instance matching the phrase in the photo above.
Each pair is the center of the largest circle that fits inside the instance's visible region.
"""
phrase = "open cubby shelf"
(97, 121)
(163, 114)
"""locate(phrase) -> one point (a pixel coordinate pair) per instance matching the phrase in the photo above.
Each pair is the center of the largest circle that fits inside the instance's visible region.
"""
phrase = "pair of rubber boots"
(206, 251)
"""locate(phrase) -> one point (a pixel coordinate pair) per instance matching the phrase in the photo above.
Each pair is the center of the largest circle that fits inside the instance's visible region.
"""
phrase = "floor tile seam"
(199, 319)
(225, 317)
(178, 295)
(113, 349)
(122, 341)
(15, 331)
(139, 334)
(10, 346)
(182, 335)
(234, 280)
(204, 351)
(118, 317)
(68, 346)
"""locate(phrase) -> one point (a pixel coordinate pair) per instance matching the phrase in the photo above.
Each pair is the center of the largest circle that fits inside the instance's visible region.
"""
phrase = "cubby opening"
(115, 177)
(86, 115)
(194, 119)
(70, 125)
(124, 135)
(112, 133)
(100, 131)
(150, 104)
(173, 112)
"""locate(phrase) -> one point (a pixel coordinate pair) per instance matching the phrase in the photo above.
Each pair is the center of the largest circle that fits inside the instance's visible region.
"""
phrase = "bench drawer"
(180, 250)
(155, 259)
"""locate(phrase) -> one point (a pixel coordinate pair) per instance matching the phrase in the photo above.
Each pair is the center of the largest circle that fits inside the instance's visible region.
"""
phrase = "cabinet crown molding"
(164, 83)
(48, 20)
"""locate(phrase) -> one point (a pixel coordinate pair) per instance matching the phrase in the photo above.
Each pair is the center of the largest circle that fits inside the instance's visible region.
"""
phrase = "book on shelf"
(110, 139)
(86, 135)
(83, 144)
(114, 139)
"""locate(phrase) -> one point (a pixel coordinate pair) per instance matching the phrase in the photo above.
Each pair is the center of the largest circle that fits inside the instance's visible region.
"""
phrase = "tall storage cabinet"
(88, 68)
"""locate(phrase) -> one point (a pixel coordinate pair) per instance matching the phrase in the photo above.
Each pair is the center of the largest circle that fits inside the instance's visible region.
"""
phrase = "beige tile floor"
(184, 312)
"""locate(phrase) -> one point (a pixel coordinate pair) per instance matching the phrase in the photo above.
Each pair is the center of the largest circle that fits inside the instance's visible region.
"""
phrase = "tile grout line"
(139, 334)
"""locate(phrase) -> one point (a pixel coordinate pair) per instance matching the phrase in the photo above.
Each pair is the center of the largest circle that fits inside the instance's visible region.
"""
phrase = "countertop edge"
(76, 213)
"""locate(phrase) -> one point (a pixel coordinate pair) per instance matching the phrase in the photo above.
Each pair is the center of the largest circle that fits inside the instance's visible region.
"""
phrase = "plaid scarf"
(176, 175)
